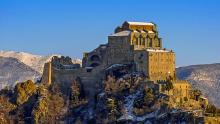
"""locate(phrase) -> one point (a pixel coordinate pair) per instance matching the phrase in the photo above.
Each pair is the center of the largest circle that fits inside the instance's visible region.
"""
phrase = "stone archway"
(95, 58)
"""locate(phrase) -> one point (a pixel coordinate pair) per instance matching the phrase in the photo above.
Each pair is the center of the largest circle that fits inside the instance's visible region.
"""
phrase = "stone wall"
(47, 74)
(180, 91)
(119, 51)
(161, 65)
(96, 57)
(142, 35)
(141, 61)
(212, 120)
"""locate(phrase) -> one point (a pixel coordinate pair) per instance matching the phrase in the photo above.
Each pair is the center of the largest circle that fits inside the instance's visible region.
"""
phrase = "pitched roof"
(140, 23)
(122, 33)
(156, 50)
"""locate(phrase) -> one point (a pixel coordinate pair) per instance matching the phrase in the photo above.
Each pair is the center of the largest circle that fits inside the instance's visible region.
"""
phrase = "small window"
(89, 70)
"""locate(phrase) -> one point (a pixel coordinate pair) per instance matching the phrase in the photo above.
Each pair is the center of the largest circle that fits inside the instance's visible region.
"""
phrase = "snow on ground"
(128, 115)
(115, 65)
(129, 103)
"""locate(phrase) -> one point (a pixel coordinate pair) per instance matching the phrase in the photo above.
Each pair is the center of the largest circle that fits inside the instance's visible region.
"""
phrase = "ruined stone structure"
(180, 90)
(134, 46)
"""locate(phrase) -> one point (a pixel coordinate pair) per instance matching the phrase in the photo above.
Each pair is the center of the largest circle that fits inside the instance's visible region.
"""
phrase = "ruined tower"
(47, 74)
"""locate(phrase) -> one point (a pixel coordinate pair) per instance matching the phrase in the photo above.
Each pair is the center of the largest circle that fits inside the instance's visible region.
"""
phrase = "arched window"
(142, 41)
(135, 41)
(150, 42)
(95, 58)
(146, 41)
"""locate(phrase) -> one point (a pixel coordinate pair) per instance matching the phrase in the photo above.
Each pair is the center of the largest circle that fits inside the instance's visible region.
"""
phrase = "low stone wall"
(212, 120)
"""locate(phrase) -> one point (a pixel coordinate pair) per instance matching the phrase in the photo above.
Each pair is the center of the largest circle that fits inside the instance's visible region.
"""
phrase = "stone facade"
(135, 43)
(47, 72)
(142, 35)
(156, 64)
(135, 46)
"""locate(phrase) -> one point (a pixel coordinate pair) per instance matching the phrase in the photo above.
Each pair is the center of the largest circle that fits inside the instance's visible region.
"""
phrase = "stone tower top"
(137, 26)
(142, 35)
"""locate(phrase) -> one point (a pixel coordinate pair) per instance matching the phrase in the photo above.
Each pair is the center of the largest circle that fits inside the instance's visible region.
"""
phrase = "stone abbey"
(137, 44)
(133, 47)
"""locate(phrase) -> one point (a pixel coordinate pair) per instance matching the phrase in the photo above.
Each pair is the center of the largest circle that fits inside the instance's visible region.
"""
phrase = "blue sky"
(70, 27)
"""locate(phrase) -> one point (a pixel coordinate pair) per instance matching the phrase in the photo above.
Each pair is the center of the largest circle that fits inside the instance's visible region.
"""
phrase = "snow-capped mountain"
(36, 62)
(205, 78)
(20, 66)
(12, 71)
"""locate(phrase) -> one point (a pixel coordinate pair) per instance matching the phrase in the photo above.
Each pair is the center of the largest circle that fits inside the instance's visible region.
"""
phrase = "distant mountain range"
(12, 71)
(21, 66)
(36, 62)
(205, 78)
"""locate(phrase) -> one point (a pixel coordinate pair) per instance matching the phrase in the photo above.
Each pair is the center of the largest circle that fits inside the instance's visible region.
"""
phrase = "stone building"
(135, 43)
(134, 46)
(180, 90)
(156, 64)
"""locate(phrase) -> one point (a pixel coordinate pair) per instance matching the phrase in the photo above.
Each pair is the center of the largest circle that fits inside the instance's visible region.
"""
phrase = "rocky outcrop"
(23, 91)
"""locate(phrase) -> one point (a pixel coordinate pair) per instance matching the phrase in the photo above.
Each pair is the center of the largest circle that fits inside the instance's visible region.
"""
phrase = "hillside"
(21, 66)
(205, 78)
(121, 101)
(36, 62)
(13, 70)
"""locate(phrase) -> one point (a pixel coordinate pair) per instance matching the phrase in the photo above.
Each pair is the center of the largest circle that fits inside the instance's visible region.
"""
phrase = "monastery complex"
(134, 47)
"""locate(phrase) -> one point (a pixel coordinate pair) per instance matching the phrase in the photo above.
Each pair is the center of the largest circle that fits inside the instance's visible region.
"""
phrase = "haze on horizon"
(190, 28)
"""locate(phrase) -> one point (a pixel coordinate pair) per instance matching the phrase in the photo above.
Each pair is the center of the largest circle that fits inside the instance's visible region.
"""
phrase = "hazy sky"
(70, 27)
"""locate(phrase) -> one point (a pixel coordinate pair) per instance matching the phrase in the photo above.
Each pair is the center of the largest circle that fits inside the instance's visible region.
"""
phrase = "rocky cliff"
(123, 99)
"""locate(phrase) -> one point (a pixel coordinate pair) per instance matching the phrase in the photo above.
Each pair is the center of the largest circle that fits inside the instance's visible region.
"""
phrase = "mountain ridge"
(34, 61)
(14, 71)
(31, 64)
(205, 77)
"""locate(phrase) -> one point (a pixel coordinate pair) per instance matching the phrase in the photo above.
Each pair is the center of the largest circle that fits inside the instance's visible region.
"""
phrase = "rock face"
(126, 99)
(205, 78)
(13, 71)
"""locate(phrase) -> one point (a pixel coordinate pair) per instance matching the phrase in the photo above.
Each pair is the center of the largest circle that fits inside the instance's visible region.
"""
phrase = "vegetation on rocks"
(126, 98)
(40, 110)
(143, 104)
(195, 94)
(37, 103)
(5, 106)
(77, 97)
(23, 91)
